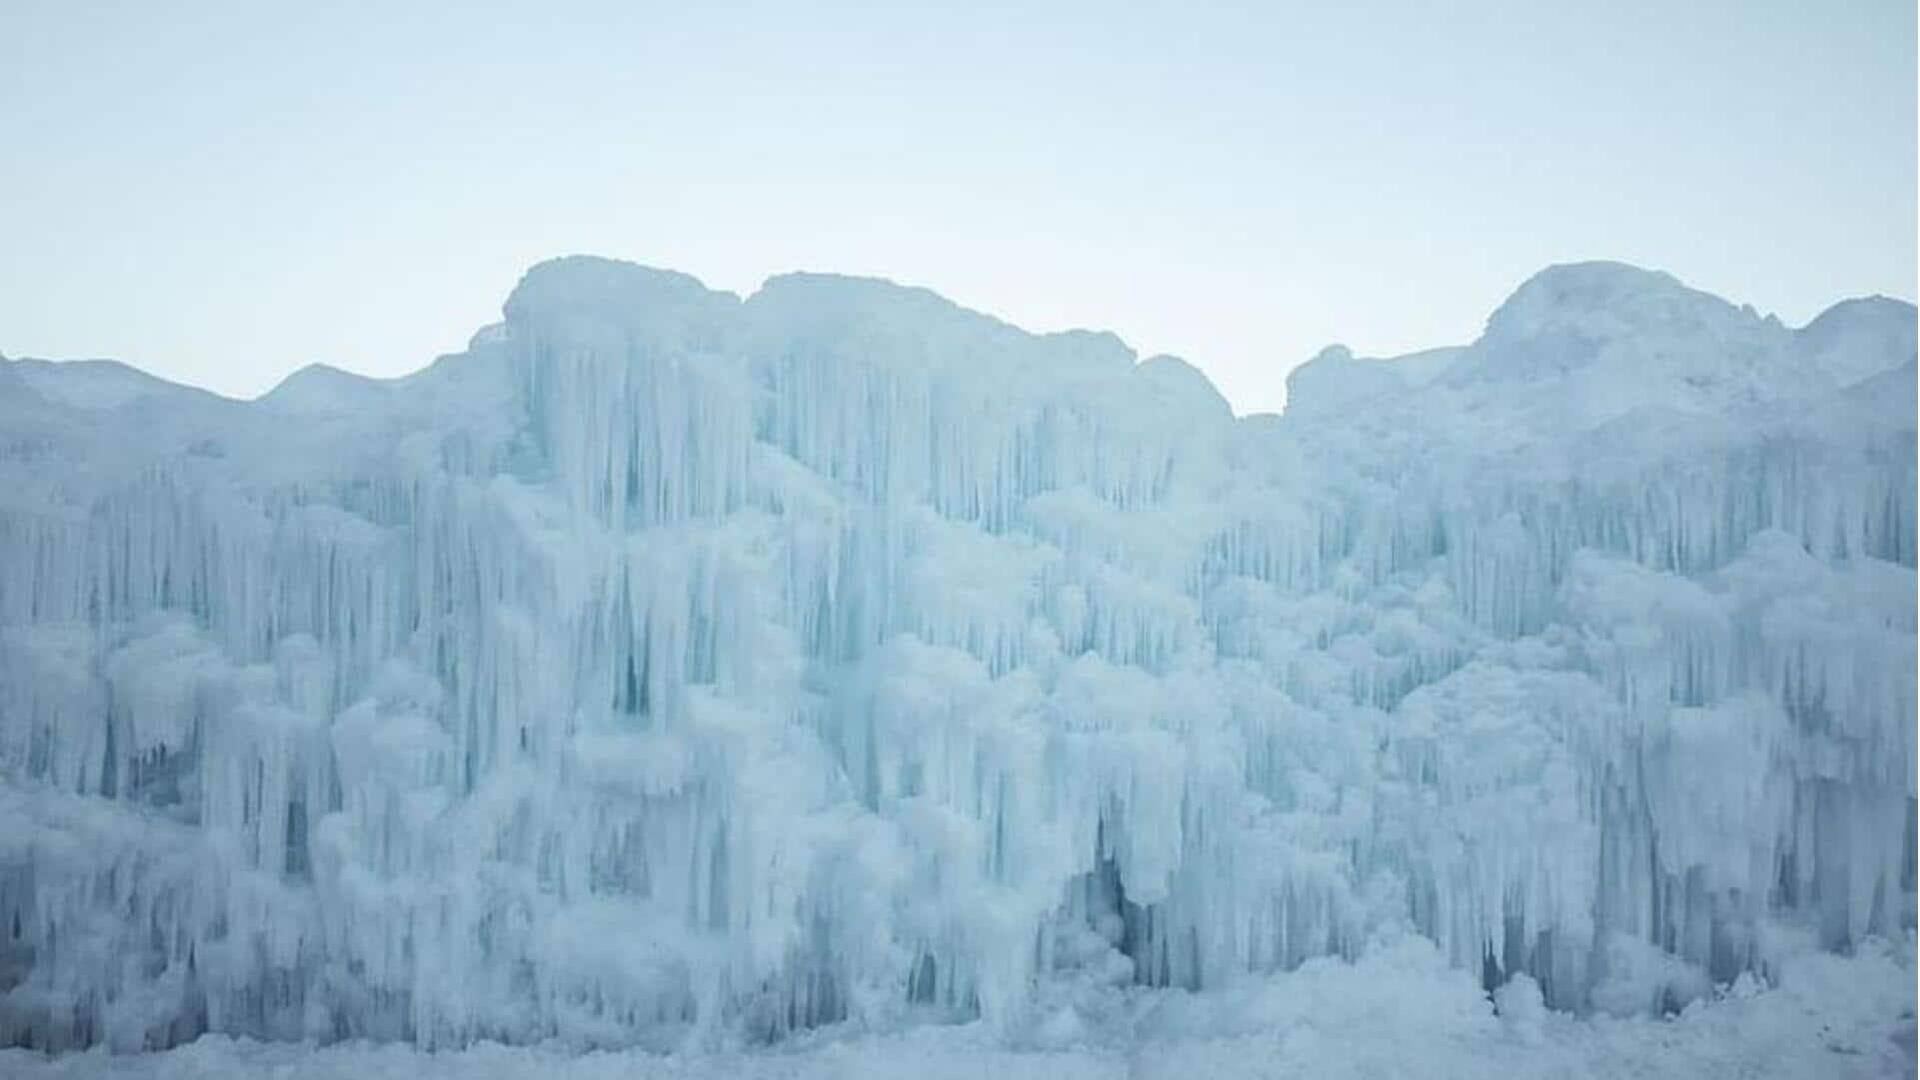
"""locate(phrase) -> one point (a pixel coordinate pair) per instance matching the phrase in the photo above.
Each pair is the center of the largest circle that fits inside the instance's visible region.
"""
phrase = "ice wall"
(670, 667)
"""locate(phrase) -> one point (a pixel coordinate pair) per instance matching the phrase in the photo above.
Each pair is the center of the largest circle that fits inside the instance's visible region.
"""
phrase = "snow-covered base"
(1400, 1011)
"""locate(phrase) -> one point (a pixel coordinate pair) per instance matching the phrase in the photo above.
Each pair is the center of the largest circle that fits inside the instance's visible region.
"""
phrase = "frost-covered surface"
(676, 671)
(1398, 1012)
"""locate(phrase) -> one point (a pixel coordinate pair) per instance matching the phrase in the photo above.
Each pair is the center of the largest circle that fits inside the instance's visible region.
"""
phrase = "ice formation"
(669, 668)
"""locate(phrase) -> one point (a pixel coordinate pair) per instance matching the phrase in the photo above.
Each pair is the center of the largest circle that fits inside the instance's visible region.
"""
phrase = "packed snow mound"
(91, 384)
(676, 670)
(1335, 383)
(1857, 339)
(1611, 338)
(318, 388)
(1616, 338)
(1596, 353)
(1604, 300)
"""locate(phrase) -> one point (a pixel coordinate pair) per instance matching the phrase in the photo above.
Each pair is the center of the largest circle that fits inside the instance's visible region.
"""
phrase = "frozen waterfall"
(670, 668)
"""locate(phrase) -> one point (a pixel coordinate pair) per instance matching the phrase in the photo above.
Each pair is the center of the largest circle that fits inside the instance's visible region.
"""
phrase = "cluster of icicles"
(671, 668)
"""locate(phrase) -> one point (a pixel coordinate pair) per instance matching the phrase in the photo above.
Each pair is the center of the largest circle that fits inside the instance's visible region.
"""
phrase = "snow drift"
(674, 669)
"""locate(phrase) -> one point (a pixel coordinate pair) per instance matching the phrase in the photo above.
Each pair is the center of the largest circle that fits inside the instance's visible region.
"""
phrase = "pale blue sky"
(221, 193)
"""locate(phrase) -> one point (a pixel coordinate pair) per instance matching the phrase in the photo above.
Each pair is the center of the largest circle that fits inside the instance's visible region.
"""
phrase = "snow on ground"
(1400, 1012)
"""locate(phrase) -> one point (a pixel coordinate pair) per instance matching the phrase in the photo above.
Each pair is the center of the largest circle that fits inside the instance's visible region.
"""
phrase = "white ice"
(673, 671)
